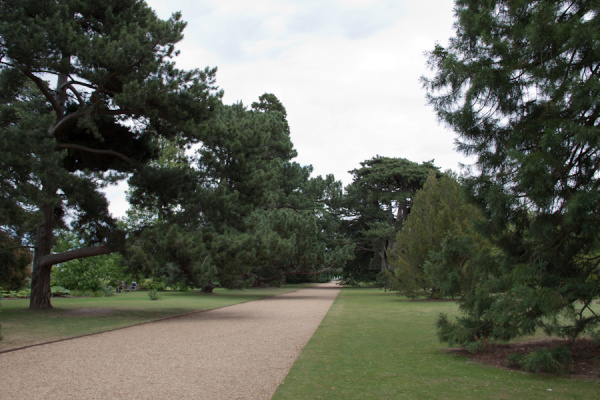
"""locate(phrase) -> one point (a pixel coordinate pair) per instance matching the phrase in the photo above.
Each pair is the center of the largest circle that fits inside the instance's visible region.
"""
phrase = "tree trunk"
(40, 288)
(40, 276)
(209, 287)
(383, 258)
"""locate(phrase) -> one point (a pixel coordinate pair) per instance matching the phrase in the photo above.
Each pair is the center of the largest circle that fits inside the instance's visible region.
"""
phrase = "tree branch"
(53, 259)
(60, 146)
(41, 84)
(76, 93)
(266, 208)
(63, 121)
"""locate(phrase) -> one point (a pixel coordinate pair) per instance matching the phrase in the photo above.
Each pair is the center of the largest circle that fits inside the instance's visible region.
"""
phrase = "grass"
(376, 345)
(72, 317)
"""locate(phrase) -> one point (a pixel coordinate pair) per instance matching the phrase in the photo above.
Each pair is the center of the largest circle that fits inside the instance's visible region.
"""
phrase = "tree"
(115, 88)
(519, 84)
(376, 204)
(246, 212)
(438, 210)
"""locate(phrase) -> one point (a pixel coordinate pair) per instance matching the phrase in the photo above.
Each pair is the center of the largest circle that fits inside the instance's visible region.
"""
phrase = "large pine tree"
(87, 87)
(519, 83)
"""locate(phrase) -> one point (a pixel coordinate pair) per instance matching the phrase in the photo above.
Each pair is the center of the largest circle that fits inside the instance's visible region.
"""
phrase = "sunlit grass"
(376, 345)
(79, 316)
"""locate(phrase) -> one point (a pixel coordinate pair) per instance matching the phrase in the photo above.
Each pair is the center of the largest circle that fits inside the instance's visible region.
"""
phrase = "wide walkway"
(238, 352)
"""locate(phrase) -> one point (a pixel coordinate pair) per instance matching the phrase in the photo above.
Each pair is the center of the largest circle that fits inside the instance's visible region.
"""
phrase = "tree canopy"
(519, 83)
(86, 87)
(375, 204)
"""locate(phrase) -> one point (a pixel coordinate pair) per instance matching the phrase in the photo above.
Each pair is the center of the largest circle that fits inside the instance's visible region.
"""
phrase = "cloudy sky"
(347, 72)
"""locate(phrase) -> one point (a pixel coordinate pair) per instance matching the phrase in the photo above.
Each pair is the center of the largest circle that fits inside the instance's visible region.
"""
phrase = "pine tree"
(519, 83)
(105, 87)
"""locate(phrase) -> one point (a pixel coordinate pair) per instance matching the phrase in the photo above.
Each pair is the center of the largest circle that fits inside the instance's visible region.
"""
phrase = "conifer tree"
(376, 203)
(519, 82)
(438, 210)
(105, 85)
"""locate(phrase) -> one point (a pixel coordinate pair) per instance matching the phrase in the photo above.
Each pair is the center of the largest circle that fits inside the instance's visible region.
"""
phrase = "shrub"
(149, 284)
(108, 291)
(59, 291)
(153, 294)
(555, 361)
(180, 286)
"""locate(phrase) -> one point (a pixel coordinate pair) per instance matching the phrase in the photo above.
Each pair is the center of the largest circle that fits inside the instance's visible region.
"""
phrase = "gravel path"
(237, 352)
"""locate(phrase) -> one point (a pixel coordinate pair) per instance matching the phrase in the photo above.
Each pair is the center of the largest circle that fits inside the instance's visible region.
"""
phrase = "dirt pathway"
(237, 352)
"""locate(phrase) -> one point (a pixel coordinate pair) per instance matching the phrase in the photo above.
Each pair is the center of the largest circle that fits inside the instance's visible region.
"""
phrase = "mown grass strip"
(73, 317)
(376, 345)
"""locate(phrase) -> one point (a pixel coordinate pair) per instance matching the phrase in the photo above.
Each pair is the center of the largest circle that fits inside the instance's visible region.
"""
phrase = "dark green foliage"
(557, 360)
(375, 205)
(519, 84)
(246, 215)
(15, 263)
(438, 210)
(114, 94)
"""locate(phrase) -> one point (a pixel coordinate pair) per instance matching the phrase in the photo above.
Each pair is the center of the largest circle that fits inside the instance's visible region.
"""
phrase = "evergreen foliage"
(439, 210)
(375, 205)
(86, 89)
(245, 214)
(519, 84)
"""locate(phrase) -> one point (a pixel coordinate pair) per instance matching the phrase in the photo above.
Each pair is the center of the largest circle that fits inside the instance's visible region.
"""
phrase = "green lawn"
(71, 317)
(375, 345)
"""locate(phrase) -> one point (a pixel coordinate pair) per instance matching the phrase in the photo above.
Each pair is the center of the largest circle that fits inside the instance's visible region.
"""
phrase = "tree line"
(90, 96)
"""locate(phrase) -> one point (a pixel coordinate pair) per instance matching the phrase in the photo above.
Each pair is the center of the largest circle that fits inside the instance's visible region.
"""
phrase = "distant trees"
(244, 213)
(519, 82)
(374, 207)
(85, 274)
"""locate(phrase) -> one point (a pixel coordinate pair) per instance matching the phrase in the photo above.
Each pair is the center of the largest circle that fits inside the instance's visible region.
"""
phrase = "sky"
(347, 71)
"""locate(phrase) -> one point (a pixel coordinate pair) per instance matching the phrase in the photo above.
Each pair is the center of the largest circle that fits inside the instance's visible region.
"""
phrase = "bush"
(180, 286)
(153, 294)
(555, 361)
(59, 291)
(149, 284)
(108, 291)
